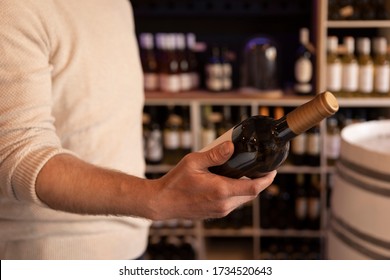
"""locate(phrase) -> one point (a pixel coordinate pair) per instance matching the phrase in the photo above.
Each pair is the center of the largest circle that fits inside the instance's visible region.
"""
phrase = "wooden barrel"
(359, 223)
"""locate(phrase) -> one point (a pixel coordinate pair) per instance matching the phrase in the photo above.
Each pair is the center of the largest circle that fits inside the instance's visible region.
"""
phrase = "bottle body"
(257, 148)
(350, 68)
(304, 65)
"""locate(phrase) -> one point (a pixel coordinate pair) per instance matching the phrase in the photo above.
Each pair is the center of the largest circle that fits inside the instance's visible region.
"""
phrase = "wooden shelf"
(264, 98)
(358, 24)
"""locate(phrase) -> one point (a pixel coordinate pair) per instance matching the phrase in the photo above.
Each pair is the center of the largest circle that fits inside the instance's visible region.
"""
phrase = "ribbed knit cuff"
(25, 176)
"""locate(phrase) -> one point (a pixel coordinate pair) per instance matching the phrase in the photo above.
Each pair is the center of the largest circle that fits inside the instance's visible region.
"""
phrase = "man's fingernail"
(225, 149)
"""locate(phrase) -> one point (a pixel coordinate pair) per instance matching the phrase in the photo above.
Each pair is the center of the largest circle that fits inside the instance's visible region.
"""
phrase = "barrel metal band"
(353, 244)
(365, 171)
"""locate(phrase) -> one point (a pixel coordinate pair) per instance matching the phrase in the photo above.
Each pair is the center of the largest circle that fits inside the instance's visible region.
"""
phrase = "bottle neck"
(282, 130)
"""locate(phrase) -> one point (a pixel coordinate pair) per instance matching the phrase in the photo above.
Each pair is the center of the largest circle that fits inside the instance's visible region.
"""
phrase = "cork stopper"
(311, 113)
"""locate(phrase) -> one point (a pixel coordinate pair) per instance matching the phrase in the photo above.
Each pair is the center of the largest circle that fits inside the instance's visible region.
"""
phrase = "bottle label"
(154, 150)
(171, 140)
(301, 208)
(170, 82)
(333, 76)
(185, 81)
(298, 144)
(350, 76)
(303, 70)
(313, 144)
(333, 143)
(313, 208)
(186, 139)
(382, 82)
(214, 77)
(195, 80)
(227, 136)
(366, 78)
(151, 81)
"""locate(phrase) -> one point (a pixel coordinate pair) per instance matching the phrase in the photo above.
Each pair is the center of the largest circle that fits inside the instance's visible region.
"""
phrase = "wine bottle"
(313, 148)
(382, 67)
(169, 64)
(171, 136)
(154, 143)
(304, 65)
(261, 144)
(184, 71)
(300, 209)
(313, 203)
(333, 66)
(333, 141)
(366, 67)
(192, 60)
(149, 62)
(214, 71)
(350, 72)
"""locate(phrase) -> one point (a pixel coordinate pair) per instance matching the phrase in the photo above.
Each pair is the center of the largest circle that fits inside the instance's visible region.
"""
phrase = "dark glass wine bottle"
(261, 144)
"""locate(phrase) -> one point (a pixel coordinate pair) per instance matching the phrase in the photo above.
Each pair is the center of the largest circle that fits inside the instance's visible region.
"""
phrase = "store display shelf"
(290, 233)
(364, 102)
(358, 24)
(251, 232)
(229, 232)
(172, 231)
(263, 98)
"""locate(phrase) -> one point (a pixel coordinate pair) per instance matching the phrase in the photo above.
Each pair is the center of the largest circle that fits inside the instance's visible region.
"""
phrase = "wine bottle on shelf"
(149, 62)
(298, 153)
(366, 67)
(333, 66)
(154, 143)
(347, 10)
(145, 130)
(214, 71)
(261, 144)
(304, 65)
(185, 132)
(184, 71)
(313, 146)
(350, 68)
(209, 131)
(169, 64)
(227, 70)
(313, 203)
(382, 67)
(171, 132)
(333, 141)
(268, 211)
(284, 207)
(300, 209)
(264, 111)
(226, 120)
(192, 60)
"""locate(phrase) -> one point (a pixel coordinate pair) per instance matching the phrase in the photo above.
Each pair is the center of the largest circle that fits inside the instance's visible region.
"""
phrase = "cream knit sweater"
(69, 83)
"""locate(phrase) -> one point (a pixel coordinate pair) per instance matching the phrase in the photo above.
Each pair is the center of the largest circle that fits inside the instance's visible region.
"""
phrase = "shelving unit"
(195, 100)
(250, 236)
(322, 27)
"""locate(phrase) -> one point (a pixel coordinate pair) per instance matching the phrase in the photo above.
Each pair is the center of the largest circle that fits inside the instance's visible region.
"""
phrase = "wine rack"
(226, 239)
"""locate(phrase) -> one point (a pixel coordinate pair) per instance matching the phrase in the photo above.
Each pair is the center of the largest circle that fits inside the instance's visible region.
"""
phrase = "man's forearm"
(69, 184)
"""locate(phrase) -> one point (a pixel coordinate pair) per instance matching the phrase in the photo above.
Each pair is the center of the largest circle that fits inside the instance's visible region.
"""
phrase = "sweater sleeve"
(27, 133)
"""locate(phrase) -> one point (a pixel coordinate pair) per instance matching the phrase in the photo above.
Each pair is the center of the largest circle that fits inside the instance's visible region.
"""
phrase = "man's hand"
(190, 190)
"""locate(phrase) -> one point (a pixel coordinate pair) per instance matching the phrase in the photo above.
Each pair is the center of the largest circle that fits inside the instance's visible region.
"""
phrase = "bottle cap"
(311, 113)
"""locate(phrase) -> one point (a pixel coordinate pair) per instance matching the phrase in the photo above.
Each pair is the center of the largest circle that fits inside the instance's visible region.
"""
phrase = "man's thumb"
(219, 154)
